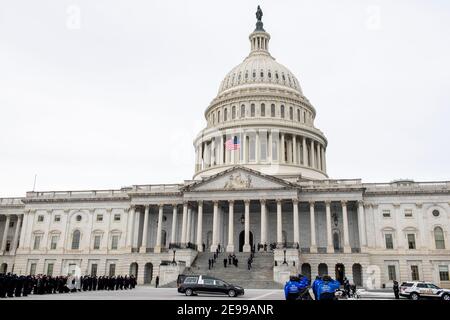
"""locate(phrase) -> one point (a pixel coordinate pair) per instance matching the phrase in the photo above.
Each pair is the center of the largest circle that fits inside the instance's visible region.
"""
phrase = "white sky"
(118, 98)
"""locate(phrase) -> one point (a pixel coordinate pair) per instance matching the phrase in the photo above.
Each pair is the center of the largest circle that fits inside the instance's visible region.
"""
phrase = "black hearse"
(194, 284)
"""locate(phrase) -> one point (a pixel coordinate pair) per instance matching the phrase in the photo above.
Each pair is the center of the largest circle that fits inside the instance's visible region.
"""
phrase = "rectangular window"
(33, 269)
(97, 242)
(233, 112)
(37, 242)
(408, 213)
(415, 273)
(252, 110)
(8, 246)
(298, 115)
(50, 269)
(117, 217)
(225, 114)
(443, 273)
(242, 111)
(389, 241)
(112, 270)
(40, 218)
(391, 273)
(411, 241)
(291, 113)
(99, 218)
(114, 242)
(386, 213)
(57, 218)
(282, 111)
(263, 110)
(53, 242)
(272, 110)
(94, 267)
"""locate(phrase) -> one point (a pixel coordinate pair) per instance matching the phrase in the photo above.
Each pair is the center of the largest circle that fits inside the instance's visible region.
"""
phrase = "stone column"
(362, 225)
(312, 214)
(296, 225)
(305, 152)
(5, 233)
(294, 149)
(282, 149)
(313, 159)
(188, 225)
(246, 247)
(324, 162)
(173, 234)
(257, 147)
(263, 222)
(159, 230)
(215, 226)
(319, 161)
(269, 147)
(330, 248)
(16, 233)
(129, 227)
(244, 141)
(279, 223)
(222, 146)
(200, 226)
(230, 246)
(183, 225)
(213, 151)
(143, 248)
(23, 232)
(347, 248)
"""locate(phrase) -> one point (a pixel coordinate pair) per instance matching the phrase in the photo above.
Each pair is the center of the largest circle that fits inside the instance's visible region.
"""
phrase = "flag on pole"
(232, 144)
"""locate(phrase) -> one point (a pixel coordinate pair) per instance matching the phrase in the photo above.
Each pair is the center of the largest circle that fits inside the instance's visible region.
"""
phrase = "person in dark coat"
(209, 264)
(229, 259)
(225, 262)
(157, 281)
(396, 289)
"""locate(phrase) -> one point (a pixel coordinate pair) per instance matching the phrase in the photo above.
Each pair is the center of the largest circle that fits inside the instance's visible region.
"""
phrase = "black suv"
(194, 284)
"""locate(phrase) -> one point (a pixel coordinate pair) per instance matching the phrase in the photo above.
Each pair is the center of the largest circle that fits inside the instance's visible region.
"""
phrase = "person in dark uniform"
(19, 286)
(157, 281)
(396, 289)
(225, 262)
(2, 286)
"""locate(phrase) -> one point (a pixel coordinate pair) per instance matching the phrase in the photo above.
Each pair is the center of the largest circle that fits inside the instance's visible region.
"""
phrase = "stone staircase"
(259, 277)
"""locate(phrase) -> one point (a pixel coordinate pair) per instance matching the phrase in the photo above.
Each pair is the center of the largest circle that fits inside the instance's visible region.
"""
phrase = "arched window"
(233, 112)
(298, 115)
(76, 240)
(225, 113)
(282, 111)
(263, 110)
(218, 116)
(272, 110)
(252, 110)
(291, 113)
(243, 111)
(439, 238)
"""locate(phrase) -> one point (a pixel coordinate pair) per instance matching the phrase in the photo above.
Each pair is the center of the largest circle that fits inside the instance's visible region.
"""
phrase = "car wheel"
(232, 293)
(414, 296)
(446, 297)
(189, 292)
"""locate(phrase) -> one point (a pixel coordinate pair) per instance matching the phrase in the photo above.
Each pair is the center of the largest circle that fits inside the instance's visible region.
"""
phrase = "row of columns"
(186, 225)
(213, 152)
(16, 234)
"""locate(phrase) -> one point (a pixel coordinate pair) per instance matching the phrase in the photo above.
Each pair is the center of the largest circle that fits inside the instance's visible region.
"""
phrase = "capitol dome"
(260, 119)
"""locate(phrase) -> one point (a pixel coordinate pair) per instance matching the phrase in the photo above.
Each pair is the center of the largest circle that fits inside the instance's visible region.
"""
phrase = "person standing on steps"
(209, 264)
(225, 262)
(157, 282)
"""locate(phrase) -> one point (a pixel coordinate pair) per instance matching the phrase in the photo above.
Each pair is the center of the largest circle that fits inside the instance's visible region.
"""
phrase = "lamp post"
(173, 260)
(284, 260)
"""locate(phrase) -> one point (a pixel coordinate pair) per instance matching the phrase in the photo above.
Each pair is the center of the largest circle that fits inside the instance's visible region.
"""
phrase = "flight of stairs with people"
(260, 276)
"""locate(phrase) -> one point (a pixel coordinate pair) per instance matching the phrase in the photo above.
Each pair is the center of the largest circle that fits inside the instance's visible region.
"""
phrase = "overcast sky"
(103, 94)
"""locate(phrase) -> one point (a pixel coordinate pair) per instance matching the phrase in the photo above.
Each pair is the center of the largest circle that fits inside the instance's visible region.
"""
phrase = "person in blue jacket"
(295, 287)
(324, 288)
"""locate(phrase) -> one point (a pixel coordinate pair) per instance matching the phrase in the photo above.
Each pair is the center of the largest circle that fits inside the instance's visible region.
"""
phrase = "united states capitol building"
(270, 188)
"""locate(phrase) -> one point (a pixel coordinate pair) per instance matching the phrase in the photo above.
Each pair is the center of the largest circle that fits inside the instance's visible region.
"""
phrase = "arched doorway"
(340, 272)
(306, 270)
(134, 269)
(242, 240)
(357, 274)
(3, 268)
(323, 269)
(148, 273)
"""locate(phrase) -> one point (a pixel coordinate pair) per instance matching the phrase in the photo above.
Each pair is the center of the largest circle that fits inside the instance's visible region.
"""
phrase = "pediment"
(239, 178)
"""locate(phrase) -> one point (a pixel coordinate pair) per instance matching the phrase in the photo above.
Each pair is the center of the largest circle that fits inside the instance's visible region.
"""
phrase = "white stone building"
(274, 189)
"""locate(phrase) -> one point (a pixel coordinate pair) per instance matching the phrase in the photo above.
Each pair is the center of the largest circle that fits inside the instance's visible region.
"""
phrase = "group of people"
(12, 285)
(323, 288)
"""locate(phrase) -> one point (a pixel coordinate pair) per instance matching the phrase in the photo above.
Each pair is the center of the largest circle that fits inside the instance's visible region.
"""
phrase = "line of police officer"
(13, 285)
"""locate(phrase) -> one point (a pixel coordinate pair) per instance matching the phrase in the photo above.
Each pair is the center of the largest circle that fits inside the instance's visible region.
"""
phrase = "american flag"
(232, 144)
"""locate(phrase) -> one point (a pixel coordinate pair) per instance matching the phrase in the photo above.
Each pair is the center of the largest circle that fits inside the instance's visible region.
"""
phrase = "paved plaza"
(151, 293)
